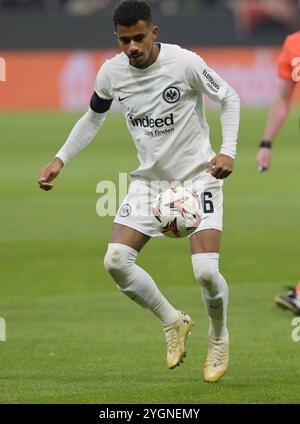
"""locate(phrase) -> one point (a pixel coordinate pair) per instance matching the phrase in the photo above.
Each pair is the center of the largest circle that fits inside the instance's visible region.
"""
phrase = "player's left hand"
(221, 166)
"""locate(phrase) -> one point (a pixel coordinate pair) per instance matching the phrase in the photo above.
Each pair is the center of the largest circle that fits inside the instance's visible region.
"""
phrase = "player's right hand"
(48, 174)
(263, 159)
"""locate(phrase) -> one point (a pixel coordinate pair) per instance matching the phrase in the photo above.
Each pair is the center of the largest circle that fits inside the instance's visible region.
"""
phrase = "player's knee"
(113, 261)
(206, 273)
(117, 260)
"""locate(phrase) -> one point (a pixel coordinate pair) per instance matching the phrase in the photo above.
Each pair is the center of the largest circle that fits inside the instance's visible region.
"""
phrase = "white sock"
(132, 280)
(214, 291)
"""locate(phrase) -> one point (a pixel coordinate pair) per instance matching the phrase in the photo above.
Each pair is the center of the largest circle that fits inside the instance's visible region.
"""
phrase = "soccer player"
(288, 71)
(160, 88)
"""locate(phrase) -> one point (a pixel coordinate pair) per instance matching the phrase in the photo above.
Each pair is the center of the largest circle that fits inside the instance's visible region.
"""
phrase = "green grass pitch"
(72, 337)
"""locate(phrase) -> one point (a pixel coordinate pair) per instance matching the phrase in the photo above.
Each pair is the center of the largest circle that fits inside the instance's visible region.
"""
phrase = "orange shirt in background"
(287, 63)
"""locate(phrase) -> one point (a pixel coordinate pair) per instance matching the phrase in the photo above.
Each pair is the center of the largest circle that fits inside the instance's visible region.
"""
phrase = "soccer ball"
(177, 211)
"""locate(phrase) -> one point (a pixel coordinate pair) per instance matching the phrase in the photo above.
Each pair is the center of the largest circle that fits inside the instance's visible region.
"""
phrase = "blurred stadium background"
(71, 337)
(58, 45)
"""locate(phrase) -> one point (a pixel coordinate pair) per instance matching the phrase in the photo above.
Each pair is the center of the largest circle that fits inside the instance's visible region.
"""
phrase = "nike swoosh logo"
(122, 99)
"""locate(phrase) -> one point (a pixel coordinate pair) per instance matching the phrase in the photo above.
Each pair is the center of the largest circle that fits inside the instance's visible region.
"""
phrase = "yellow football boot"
(217, 360)
(176, 335)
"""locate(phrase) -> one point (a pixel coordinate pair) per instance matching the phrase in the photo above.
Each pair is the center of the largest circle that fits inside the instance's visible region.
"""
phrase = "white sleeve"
(230, 120)
(81, 135)
(103, 86)
(205, 80)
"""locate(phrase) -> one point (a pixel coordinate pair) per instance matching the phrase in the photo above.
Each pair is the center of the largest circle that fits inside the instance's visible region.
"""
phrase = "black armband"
(266, 143)
(99, 105)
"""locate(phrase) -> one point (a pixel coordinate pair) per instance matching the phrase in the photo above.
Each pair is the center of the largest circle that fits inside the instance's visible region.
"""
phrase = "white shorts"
(135, 211)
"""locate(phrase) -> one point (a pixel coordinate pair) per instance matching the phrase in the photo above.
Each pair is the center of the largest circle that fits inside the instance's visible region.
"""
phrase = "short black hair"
(129, 12)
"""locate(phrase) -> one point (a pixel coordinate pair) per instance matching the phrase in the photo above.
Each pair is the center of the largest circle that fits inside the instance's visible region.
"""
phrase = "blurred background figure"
(263, 15)
(288, 73)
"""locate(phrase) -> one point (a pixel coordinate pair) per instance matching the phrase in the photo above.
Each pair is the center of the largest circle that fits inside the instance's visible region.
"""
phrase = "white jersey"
(163, 107)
